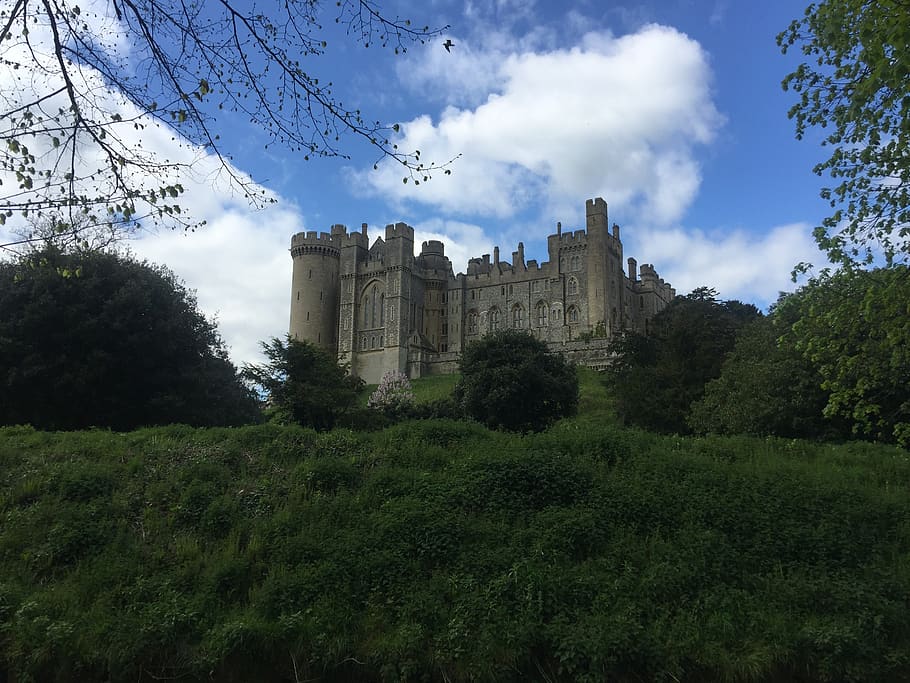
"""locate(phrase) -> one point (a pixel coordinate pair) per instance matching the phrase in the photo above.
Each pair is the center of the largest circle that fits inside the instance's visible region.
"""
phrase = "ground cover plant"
(439, 550)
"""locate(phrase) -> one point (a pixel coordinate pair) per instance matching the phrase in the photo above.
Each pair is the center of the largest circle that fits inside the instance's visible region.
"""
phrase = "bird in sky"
(448, 44)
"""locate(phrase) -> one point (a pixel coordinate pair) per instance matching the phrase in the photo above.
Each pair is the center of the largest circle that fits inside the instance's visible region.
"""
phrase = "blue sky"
(671, 110)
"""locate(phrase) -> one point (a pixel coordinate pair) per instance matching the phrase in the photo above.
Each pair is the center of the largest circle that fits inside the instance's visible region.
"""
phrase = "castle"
(380, 308)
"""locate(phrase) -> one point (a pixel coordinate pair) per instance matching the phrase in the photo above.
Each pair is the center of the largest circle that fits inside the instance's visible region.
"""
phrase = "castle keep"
(381, 308)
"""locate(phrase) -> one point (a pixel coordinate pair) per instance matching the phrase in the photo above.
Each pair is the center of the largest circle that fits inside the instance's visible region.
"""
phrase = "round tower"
(316, 287)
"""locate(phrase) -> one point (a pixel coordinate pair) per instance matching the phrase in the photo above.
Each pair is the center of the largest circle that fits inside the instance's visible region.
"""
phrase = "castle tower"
(402, 301)
(598, 262)
(315, 287)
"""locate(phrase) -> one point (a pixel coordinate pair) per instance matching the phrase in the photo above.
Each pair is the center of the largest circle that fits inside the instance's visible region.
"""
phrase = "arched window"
(574, 263)
(556, 314)
(494, 318)
(363, 343)
(572, 287)
(517, 316)
(380, 341)
(372, 342)
(572, 315)
(541, 314)
(373, 305)
(472, 322)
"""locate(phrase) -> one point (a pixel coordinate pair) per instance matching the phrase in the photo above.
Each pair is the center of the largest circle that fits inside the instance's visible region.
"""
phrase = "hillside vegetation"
(439, 550)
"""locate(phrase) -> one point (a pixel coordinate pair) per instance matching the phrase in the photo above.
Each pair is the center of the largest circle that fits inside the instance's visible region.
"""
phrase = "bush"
(99, 339)
(509, 380)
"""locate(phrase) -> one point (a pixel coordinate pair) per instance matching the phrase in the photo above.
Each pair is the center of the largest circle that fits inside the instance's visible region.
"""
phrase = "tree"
(305, 381)
(656, 379)
(855, 85)
(79, 89)
(854, 327)
(509, 380)
(99, 339)
(766, 388)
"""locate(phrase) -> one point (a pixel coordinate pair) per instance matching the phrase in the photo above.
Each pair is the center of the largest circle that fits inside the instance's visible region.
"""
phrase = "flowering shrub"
(393, 395)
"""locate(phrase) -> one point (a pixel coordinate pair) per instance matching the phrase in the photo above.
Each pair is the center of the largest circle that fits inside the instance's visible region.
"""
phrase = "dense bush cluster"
(438, 550)
(100, 339)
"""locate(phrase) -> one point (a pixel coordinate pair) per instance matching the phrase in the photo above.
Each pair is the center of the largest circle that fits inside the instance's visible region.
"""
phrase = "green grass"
(439, 550)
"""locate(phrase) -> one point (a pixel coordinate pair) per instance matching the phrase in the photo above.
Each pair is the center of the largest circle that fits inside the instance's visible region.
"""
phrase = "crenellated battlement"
(311, 242)
(399, 230)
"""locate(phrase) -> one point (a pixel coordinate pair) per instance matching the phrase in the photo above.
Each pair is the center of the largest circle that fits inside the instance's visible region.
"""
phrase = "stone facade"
(380, 307)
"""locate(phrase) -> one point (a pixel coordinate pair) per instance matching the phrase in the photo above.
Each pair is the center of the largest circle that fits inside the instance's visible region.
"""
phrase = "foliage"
(766, 387)
(854, 84)
(656, 378)
(99, 339)
(509, 380)
(394, 395)
(93, 81)
(854, 327)
(305, 381)
(440, 550)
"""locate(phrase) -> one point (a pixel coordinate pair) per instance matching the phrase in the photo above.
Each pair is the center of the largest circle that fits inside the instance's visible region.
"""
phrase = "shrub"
(509, 380)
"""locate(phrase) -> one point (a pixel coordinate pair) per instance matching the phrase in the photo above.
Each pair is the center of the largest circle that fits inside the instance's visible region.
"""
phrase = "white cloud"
(618, 117)
(462, 241)
(240, 268)
(739, 265)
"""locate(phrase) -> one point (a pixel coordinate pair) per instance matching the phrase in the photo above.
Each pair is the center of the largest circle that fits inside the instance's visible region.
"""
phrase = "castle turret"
(315, 287)
(599, 289)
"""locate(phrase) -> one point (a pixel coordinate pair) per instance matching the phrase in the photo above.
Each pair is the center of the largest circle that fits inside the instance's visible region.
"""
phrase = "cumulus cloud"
(751, 267)
(462, 240)
(618, 117)
(239, 267)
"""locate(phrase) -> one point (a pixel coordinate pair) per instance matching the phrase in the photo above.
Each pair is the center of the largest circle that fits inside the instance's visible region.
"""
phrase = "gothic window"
(472, 322)
(372, 342)
(381, 309)
(541, 314)
(366, 311)
(572, 287)
(494, 318)
(363, 343)
(574, 263)
(380, 341)
(572, 315)
(517, 316)
(557, 314)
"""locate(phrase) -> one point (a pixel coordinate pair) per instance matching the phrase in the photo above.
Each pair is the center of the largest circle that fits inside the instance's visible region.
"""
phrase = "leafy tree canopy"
(855, 85)
(89, 78)
(304, 381)
(99, 339)
(657, 378)
(509, 380)
(854, 327)
(766, 388)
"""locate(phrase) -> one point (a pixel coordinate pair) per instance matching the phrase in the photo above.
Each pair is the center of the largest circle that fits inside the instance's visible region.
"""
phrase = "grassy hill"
(438, 550)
